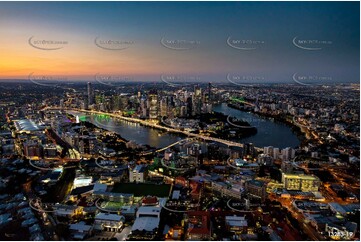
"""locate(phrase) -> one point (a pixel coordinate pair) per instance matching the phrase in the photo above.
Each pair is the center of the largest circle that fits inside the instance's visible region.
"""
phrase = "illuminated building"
(249, 149)
(300, 182)
(226, 189)
(194, 149)
(150, 201)
(198, 225)
(68, 210)
(108, 222)
(49, 151)
(90, 94)
(147, 221)
(168, 155)
(138, 174)
(174, 233)
(256, 189)
(287, 167)
(209, 99)
(82, 181)
(88, 144)
(26, 125)
(266, 160)
(236, 223)
(183, 111)
(197, 101)
(164, 107)
(268, 150)
(153, 105)
(114, 196)
(32, 149)
(288, 153)
(52, 177)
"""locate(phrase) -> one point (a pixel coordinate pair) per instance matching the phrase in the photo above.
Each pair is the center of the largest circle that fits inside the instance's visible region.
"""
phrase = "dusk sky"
(263, 35)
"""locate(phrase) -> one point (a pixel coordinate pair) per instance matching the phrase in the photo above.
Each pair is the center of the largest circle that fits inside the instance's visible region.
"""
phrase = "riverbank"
(281, 119)
(156, 125)
(270, 130)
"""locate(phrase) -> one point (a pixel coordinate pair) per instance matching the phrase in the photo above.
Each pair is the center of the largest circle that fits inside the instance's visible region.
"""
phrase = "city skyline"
(263, 41)
(180, 121)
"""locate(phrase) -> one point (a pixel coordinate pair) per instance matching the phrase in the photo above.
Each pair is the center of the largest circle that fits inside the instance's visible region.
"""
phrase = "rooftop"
(139, 168)
(81, 226)
(256, 183)
(145, 223)
(110, 217)
(26, 125)
(236, 221)
(300, 176)
(149, 210)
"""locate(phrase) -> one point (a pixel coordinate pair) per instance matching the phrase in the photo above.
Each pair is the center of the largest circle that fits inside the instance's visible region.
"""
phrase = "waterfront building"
(268, 150)
(288, 153)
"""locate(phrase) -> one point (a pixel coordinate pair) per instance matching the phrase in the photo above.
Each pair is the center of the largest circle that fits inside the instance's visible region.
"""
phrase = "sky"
(207, 41)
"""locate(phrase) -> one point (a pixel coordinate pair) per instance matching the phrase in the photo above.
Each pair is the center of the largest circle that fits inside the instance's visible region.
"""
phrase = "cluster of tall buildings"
(33, 148)
(76, 136)
(285, 154)
(152, 104)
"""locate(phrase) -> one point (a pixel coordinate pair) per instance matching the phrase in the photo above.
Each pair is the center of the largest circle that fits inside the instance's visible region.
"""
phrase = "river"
(269, 133)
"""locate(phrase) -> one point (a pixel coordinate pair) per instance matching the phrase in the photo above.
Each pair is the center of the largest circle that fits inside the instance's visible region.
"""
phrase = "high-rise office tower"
(197, 101)
(209, 92)
(189, 106)
(164, 106)
(153, 104)
(288, 153)
(90, 94)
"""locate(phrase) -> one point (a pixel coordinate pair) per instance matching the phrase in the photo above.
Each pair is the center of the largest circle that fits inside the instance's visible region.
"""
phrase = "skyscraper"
(209, 92)
(197, 101)
(164, 106)
(153, 104)
(90, 93)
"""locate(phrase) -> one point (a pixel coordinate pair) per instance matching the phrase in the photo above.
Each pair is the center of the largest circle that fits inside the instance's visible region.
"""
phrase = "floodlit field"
(112, 205)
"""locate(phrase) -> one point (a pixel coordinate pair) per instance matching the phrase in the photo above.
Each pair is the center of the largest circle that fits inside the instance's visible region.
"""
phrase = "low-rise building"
(236, 223)
(108, 222)
(80, 230)
(256, 189)
(114, 196)
(199, 227)
(146, 222)
(67, 210)
(49, 151)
